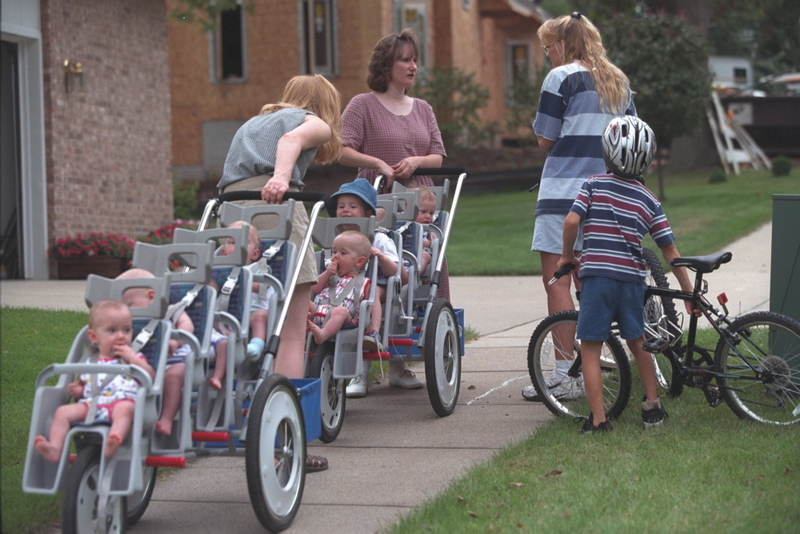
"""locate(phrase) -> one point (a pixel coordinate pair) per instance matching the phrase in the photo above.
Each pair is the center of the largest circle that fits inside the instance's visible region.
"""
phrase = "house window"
(413, 15)
(740, 75)
(518, 62)
(228, 47)
(317, 37)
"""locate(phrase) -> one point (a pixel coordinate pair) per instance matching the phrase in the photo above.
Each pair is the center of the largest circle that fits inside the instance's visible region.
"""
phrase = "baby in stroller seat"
(111, 331)
(359, 199)
(341, 286)
(178, 352)
(259, 308)
(425, 215)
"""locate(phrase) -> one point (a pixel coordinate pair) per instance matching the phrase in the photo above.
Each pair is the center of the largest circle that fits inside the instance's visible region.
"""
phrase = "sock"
(562, 366)
(255, 347)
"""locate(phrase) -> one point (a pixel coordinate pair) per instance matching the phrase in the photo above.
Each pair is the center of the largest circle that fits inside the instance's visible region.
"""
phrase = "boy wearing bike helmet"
(616, 210)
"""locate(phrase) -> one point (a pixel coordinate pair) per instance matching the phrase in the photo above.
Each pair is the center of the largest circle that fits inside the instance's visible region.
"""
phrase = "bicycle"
(557, 333)
(754, 366)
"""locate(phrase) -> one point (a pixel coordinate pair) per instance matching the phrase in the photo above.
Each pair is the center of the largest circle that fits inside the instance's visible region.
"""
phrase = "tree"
(456, 99)
(206, 12)
(666, 62)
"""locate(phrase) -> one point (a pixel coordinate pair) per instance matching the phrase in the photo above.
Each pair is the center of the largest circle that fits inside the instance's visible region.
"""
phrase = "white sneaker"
(356, 389)
(565, 388)
(405, 379)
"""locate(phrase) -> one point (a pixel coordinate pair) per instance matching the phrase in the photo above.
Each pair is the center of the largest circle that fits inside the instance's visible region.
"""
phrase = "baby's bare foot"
(215, 383)
(46, 449)
(316, 332)
(164, 427)
(113, 443)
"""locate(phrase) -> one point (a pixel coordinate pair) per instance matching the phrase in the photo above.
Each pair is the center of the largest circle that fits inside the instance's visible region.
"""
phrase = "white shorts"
(548, 234)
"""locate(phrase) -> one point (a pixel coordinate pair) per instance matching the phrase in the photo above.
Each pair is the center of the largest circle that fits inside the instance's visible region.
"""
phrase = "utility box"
(784, 294)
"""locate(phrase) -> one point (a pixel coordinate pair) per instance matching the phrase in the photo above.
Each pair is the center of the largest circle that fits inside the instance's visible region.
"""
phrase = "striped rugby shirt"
(569, 113)
(616, 214)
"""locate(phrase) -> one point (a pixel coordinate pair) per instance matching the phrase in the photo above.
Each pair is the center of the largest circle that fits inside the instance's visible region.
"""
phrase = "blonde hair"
(358, 241)
(315, 94)
(135, 293)
(101, 307)
(135, 273)
(582, 42)
(425, 193)
(253, 235)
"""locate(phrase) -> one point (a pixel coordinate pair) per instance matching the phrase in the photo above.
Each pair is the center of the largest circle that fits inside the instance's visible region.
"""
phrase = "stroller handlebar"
(256, 195)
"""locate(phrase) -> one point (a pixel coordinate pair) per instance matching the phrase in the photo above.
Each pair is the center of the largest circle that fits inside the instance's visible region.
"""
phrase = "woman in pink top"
(388, 132)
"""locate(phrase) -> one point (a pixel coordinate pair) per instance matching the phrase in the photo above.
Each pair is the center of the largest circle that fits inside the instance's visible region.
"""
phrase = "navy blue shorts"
(604, 301)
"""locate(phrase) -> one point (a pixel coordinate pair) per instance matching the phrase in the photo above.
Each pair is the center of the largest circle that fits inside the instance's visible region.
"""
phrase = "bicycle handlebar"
(564, 269)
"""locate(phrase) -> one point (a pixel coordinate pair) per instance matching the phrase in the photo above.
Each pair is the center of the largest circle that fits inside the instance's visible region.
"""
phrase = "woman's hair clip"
(576, 14)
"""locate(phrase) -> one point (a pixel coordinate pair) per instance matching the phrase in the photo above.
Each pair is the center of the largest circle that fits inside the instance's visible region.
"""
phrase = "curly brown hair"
(385, 53)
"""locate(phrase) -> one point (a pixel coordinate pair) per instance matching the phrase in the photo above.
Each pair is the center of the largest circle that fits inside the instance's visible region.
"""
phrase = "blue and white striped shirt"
(569, 113)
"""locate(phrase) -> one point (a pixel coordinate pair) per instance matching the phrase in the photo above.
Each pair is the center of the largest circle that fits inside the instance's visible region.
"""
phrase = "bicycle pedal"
(713, 396)
(655, 345)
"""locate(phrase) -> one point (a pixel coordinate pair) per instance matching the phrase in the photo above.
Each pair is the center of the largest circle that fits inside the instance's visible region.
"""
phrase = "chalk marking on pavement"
(504, 384)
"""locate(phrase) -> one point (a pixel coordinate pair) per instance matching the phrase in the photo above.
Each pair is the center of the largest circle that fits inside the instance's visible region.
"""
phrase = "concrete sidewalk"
(394, 452)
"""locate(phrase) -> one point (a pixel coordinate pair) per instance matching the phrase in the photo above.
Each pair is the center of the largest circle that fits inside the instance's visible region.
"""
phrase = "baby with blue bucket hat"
(359, 199)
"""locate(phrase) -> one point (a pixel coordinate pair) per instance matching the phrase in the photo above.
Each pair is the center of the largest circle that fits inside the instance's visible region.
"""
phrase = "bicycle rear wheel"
(553, 345)
(658, 313)
(761, 370)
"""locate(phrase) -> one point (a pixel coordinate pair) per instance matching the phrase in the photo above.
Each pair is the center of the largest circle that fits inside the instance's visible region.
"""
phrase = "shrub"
(781, 166)
(93, 244)
(718, 176)
(163, 235)
(456, 99)
(522, 99)
(184, 199)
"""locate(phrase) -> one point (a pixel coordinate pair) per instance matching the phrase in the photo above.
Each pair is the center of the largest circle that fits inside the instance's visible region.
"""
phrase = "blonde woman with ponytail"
(580, 96)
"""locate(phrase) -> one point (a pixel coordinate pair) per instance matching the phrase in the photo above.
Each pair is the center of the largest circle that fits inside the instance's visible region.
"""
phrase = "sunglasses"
(546, 48)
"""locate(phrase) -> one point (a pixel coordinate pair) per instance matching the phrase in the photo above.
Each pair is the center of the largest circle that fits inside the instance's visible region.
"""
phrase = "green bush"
(781, 166)
(718, 176)
(456, 100)
(522, 99)
(184, 200)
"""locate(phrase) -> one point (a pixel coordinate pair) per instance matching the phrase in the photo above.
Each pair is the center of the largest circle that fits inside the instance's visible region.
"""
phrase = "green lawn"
(492, 232)
(704, 468)
(30, 340)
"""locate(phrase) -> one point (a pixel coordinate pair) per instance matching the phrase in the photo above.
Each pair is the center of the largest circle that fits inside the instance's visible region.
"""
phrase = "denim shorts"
(604, 301)
(548, 231)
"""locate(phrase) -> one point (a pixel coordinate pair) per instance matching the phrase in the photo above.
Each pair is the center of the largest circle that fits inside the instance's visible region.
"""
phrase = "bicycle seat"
(703, 264)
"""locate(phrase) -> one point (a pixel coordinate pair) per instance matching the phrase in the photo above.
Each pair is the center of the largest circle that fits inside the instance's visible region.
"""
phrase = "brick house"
(89, 150)
(222, 78)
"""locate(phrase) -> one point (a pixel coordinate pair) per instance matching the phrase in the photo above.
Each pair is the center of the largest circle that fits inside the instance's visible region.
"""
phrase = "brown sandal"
(315, 463)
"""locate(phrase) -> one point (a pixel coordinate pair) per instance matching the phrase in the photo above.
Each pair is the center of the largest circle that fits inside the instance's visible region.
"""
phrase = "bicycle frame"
(701, 369)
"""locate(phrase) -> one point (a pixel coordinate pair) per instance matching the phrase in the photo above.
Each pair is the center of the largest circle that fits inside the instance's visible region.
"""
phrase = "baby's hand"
(333, 267)
(376, 253)
(75, 389)
(125, 352)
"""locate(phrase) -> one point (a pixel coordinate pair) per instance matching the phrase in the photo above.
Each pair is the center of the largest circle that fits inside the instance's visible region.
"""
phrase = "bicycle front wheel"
(555, 368)
(760, 368)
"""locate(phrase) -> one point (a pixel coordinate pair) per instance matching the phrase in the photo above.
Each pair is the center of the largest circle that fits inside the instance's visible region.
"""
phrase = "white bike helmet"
(629, 146)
